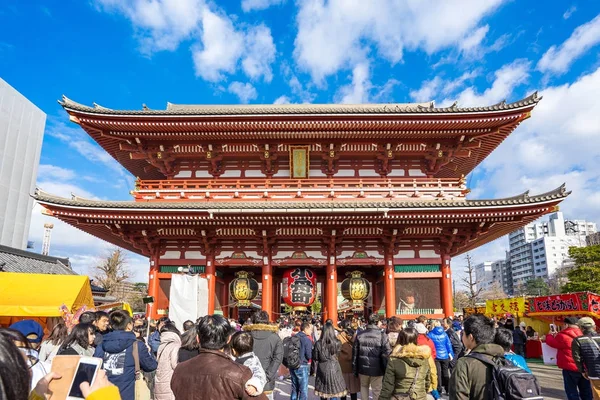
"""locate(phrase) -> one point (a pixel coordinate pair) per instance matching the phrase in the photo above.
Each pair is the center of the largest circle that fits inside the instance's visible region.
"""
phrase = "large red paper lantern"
(300, 288)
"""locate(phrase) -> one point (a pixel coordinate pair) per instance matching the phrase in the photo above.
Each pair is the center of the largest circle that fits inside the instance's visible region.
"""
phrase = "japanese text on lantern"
(302, 287)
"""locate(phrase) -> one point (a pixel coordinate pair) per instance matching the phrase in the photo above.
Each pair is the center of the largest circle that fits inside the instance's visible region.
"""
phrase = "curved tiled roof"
(292, 109)
(78, 202)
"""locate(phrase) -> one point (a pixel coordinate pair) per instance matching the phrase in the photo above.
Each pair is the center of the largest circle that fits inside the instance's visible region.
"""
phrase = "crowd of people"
(216, 358)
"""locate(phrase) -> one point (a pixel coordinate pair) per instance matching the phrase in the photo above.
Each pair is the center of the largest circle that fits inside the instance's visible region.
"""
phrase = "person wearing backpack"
(576, 386)
(370, 353)
(471, 377)
(267, 346)
(504, 338)
(586, 354)
(297, 352)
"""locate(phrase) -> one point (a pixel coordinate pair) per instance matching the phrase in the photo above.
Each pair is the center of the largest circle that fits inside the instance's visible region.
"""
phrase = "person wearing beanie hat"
(576, 386)
(32, 330)
(586, 354)
(423, 340)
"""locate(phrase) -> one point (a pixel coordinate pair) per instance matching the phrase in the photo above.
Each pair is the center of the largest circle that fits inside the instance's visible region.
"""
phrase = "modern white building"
(21, 134)
(539, 248)
(484, 275)
(502, 273)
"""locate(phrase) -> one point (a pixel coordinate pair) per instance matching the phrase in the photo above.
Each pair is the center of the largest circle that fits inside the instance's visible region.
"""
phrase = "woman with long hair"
(346, 338)
(16, 373)
(190, 347)
(408, 374)
(329, 381)
(79, 342)
(50, 346)
(167, 357)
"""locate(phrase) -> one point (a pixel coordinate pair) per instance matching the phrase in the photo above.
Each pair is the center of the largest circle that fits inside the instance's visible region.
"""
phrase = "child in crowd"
(504, 338)
(242, 344)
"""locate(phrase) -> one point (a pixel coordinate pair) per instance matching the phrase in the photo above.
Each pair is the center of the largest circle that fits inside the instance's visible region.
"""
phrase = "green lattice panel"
(174, 269)
(411, 268)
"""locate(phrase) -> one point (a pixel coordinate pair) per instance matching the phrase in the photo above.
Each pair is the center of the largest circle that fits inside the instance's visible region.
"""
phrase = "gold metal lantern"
(355, 288)
(243, 288)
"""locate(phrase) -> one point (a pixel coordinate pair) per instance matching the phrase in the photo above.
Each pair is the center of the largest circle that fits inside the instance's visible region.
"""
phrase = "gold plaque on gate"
(299, 162)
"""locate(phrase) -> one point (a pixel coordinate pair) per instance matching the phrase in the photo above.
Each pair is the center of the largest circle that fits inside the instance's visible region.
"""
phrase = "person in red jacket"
(423, 340)
(576, 386)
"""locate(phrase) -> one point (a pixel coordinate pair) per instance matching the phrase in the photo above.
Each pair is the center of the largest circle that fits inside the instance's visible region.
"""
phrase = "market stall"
(553, 309)
(42, 296)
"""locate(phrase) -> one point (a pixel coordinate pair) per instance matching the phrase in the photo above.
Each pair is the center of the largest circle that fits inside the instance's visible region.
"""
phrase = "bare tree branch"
(471, 283)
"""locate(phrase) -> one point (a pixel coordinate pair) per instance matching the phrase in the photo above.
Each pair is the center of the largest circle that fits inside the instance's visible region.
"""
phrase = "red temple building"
(377, 188)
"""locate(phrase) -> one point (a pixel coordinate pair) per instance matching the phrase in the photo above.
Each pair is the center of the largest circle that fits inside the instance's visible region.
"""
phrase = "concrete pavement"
(549, 377)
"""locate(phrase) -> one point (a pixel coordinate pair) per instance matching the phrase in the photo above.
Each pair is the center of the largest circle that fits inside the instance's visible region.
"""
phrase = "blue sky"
(125, 53)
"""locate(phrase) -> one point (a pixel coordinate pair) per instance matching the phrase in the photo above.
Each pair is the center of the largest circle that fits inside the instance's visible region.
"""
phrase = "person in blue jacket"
(443, 354)
(154, 338)
(504, 338)
(116, 350)
(300, 375)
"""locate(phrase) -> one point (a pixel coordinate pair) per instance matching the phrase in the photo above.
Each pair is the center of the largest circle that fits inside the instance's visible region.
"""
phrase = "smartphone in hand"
(86, 371)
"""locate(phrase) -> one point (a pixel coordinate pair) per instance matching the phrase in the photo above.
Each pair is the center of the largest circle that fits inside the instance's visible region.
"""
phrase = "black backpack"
(509, 382)
(291, 352)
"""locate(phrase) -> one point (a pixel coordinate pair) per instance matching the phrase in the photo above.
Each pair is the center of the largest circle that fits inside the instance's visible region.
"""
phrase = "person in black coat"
(370, 352)
(329, 380)
(190, 347)
(268, 347)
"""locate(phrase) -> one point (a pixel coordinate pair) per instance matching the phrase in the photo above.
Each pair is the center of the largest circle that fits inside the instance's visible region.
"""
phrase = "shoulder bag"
(141, 388)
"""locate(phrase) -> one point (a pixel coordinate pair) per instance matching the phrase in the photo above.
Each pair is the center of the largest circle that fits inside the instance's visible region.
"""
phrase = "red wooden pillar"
(375, 295)
(389, 285)
(225, 297)
(212, 281)
(153, 284)
(446, 287)
(276, 299)
(331, 285)
(267, 286)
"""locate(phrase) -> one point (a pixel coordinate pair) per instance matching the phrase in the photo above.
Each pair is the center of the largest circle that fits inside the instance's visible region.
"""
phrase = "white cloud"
(427, 91)
(259, 53)
(557, 60)
(340, 33)
(358, 91)
(569, 12)
(253, 5)
(556, 145)
(298, 89)
(282, 100)
(437, 87)
(160, 24)
(245, 91)
(473, 40)
(219, 47)
(47, 171)
(361, 90)
(506, 79)
(79, 141)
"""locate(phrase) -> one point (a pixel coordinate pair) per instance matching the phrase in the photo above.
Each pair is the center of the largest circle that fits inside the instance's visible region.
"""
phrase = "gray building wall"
(21, 134)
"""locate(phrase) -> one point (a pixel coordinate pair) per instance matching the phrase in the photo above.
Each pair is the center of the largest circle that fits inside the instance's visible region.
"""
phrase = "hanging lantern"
(300, 288)
(243, 288)
(355, 288)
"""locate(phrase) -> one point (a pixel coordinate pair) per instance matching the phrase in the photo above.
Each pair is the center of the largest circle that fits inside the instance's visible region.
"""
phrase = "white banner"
(188, 298)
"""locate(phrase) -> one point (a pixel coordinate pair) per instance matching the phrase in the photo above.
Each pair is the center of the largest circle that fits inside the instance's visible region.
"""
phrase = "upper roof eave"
(300, 109)
(557, 194)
